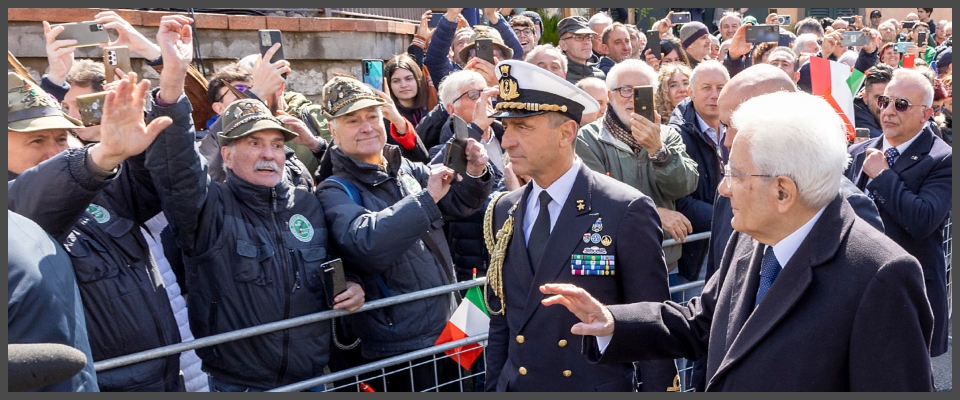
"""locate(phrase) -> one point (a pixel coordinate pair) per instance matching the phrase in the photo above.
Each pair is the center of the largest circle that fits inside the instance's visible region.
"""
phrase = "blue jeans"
(220, 386)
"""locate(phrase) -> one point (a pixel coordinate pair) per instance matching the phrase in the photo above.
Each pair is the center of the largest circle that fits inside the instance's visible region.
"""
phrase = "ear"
(604, 48)
(787, 194)
(927, 113)
(449, 108)
(227, 154)
(568, 133)
(218, 107)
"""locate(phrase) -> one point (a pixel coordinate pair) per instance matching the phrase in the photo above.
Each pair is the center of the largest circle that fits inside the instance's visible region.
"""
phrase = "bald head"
(754, 81)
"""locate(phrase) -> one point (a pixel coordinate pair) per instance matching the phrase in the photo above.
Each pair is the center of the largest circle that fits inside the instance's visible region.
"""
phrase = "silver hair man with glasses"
(808, 297)
(908, 173)
(641, 153)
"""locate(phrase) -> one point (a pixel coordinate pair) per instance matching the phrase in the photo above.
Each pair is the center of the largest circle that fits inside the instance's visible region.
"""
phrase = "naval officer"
(567, 224)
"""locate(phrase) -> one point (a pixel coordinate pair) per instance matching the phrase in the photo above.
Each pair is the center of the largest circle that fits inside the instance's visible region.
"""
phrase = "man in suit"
(908, 172)
(601, 234)
(808, 297)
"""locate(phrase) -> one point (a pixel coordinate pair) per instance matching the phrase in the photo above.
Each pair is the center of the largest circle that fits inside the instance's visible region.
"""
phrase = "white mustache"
(272, 166)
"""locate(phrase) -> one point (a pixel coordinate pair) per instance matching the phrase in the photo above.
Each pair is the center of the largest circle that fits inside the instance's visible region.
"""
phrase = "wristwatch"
(661, 155)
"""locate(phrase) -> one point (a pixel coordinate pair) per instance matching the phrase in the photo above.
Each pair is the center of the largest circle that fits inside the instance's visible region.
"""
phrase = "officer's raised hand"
(123, 132)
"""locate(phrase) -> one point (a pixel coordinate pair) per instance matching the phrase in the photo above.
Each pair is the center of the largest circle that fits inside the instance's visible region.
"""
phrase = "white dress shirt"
(558, 190)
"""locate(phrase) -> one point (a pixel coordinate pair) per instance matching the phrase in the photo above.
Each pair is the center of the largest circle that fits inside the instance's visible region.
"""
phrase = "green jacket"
(671, 180)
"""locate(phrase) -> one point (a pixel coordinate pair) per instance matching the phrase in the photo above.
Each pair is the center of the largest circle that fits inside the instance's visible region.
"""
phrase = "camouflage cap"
(344, 95)
(483, 31)
(246, 116)
(31, 109)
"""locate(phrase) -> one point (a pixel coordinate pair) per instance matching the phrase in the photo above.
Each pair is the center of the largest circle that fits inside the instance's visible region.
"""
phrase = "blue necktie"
(891, 154)
(769, 269)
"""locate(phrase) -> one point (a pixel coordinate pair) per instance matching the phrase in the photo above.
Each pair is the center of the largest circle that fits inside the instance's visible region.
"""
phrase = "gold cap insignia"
(509, 87)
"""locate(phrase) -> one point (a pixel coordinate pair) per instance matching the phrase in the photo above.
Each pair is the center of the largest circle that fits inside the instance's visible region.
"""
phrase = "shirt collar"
(785, 249)
(903, 146)
(559, 189)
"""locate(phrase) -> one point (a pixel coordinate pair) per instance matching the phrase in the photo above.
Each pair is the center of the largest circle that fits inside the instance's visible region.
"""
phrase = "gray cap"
(576, 24)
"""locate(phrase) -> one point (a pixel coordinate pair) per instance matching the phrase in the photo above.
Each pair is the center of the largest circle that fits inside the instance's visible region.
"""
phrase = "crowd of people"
(565, 196)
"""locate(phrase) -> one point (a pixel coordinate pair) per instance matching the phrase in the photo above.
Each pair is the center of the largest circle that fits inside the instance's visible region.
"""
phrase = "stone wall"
(315, 47)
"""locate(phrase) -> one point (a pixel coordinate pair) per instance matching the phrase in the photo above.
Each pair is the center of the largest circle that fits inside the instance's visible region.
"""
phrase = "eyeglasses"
(240, 87)
(900, 104)
(674, 85)
(522, 32)
(728, 174)
(625, 91)
(579, 38)
(473, 94)
(937, 109)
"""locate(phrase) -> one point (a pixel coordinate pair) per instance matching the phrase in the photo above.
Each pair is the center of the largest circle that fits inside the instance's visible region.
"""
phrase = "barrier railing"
(438, 352)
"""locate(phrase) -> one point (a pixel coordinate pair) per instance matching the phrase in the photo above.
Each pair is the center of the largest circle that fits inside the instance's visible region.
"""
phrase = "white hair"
(917, 78)
(809, 147)
(801, 42)
(599, 19)
(452, 85)
(631, 66)
(848, 57)
(546, 48)
(713, 65)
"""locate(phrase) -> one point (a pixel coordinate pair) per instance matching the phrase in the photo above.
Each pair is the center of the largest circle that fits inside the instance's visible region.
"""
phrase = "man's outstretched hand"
(595, 318)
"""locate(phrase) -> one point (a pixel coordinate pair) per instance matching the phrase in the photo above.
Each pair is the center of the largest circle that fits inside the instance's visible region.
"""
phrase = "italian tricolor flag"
(470, 319)
(836, 83)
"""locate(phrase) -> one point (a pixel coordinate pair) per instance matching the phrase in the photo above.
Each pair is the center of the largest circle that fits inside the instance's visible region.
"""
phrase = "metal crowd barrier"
(464, 379)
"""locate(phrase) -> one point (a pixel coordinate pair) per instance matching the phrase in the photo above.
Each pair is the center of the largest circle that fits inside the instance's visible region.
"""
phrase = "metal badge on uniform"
(585, 264)
(580, 205)
(586, 238)
(595, 238)
(594, 250)
(597, 226)
(606, 240)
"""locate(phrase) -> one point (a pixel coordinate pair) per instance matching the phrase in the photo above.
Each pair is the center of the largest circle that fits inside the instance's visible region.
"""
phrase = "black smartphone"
(854, 38)
(334, 280)
(116, 57)
(90, 107)
(908, 24)
(456, 156)
(863, 133)
(680, 17)
(373, 73)
(921, 39)
(484, 48)
(267, 38)
(435, 19)
(763, 33)
(785, 40)
(643, 102)
(86, 33)
(653, 43)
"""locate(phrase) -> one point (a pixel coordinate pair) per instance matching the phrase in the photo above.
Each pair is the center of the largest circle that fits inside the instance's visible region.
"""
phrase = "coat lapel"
(860, 178)
(820, 245)
(916, 151)
(565, 236)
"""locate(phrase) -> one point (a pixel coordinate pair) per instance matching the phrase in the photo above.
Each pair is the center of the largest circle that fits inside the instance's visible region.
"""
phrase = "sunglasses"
(473, 94)
(240, 87)
(900, 104)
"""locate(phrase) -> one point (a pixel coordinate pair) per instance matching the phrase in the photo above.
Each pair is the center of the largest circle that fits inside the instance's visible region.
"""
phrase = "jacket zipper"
(286, 302)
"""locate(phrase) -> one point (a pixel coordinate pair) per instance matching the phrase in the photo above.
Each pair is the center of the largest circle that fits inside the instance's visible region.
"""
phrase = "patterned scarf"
(620, 131)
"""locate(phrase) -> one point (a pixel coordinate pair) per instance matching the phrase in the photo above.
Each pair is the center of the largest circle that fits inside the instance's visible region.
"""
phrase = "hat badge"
(509, 87)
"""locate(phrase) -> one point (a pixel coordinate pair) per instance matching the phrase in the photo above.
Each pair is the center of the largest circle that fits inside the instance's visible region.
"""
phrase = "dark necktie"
(540, 232)
(769, 269)
(891, 154)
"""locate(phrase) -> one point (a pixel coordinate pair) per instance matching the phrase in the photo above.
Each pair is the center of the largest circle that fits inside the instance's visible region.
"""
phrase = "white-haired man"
(641, 153)
(802, 278)
(550, 58)
(908, 172)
